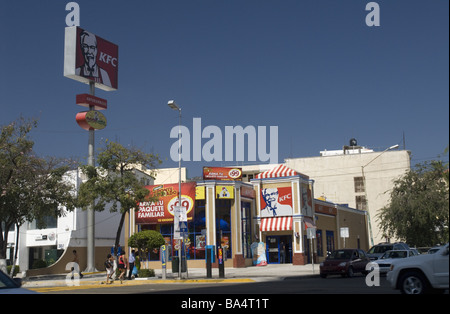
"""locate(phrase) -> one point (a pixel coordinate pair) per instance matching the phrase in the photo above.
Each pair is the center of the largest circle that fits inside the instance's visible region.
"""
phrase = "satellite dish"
(353, 142)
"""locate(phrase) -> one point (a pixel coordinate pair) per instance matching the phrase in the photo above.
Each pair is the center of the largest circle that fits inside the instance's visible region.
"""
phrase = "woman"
(122, 266)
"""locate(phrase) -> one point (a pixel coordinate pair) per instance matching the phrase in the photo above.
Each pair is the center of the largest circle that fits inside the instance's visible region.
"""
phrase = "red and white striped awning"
(278, 171)
(276, 223)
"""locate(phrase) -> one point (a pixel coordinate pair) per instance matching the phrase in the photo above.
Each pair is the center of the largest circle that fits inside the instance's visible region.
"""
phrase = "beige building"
(358, 177)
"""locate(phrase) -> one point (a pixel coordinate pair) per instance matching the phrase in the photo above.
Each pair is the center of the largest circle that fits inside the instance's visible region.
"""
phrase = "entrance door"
(279, 249)
(272, 250)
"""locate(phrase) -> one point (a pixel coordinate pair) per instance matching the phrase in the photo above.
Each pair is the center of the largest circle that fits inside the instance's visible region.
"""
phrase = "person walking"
(76, 264)
(122, 265)
(131, 264)
(283, 252)
(109, 265)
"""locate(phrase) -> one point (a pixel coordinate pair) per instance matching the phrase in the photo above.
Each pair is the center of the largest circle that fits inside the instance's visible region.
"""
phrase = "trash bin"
(176, 264)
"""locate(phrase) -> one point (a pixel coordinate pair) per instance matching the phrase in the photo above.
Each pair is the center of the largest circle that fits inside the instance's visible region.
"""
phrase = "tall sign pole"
(92, 60)
(90, 211)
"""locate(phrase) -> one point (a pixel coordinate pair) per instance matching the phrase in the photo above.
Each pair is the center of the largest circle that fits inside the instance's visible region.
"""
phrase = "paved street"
(291, 285)
(272, 279)
(273, 288)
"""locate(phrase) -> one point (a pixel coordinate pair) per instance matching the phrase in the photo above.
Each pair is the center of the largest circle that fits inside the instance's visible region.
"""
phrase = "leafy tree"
(115, 182)
(146, 240)
(31, 188)
(418, 212)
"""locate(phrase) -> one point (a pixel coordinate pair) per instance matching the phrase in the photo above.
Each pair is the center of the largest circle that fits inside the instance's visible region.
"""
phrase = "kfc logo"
(89, 58)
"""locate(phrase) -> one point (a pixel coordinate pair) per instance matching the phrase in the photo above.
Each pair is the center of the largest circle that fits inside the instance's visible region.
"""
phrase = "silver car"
(385, 261)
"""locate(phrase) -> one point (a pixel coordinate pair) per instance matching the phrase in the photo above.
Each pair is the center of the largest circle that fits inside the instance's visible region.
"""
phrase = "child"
(109, 268)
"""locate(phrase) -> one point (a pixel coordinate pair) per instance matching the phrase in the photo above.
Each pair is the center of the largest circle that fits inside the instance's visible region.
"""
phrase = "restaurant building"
(274, 210)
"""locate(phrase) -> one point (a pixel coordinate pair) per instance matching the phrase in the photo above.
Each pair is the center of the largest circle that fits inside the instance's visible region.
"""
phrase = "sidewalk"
(193, 275)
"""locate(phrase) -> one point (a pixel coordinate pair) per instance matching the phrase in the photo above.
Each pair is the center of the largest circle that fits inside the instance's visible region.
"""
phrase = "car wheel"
(350, 272)
(323, 275)
(413, 283)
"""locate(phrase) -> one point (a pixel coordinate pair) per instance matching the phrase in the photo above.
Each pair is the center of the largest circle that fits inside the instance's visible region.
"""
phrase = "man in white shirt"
(131, 260)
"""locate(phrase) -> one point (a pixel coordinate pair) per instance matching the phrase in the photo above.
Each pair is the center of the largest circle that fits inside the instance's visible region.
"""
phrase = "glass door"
(272, 249)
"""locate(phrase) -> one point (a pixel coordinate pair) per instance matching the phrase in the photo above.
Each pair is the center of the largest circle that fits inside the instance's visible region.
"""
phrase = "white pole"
(90, 211)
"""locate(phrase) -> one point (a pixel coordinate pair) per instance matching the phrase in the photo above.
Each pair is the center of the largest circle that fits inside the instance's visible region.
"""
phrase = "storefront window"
(246, 229)
(223, 225)
(45, 222)
(319, 242)
(194, 244)
(330, 240)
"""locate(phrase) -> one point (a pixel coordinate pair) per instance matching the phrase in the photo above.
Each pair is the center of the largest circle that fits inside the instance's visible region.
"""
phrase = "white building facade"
(55, 243)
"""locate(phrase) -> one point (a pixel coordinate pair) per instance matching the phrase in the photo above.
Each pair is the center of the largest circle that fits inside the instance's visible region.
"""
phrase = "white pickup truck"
(421, 274)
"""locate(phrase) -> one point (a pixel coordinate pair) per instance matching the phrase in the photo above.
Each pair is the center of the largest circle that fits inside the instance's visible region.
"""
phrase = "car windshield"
(6, 282)
(379, 249)
(395, 254)
(341, 254)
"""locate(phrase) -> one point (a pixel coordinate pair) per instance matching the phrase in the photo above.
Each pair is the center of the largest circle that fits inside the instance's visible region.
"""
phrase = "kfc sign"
(276, 202)
(90, 58)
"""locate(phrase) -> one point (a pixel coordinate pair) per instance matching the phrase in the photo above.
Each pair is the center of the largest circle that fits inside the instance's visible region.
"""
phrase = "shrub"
(16, 269)
(39, 263)
(146, 273)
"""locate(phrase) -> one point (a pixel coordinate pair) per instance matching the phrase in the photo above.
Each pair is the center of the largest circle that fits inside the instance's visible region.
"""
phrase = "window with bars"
(361, 202)
(359, 184)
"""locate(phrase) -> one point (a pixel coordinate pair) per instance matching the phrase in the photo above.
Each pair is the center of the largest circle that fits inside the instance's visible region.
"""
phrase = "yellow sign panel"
(199, 192)
(224, 192)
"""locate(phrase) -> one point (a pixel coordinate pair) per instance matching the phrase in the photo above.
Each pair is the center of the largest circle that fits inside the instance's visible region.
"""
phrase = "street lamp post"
(365, 189)
(174, 106)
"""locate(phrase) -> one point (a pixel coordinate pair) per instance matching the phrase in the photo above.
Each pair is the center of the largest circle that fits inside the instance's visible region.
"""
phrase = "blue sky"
(313, 68)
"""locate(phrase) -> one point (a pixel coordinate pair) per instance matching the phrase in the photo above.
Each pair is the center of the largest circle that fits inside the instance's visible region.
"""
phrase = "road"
(288, 285)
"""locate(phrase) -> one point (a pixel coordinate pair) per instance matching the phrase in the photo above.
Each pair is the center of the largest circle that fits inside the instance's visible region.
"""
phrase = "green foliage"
(115, 181)
(39, 263)
(418, 212)
(31, 188)
(144, 273)
(146, 240)
(16, 269)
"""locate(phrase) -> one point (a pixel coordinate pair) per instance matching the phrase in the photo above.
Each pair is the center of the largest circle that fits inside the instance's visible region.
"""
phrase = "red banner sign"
(162, 211)
(87, 100)
(222, 173)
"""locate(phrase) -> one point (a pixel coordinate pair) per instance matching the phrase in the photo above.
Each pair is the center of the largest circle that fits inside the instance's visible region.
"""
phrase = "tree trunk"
(119, 231)
(16, 249)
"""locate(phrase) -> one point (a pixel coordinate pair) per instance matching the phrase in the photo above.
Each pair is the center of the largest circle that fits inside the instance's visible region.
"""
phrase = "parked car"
(423, 249)
(433, 249)
(344, 262)
(420, 274)
(12, 286)
(376, 251)
(385, 261)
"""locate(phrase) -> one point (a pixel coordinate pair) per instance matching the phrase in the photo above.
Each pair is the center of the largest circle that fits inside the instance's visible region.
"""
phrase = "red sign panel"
(276, 202)
(222, 173)
(87, 100)
(162, 211)
(88, 57)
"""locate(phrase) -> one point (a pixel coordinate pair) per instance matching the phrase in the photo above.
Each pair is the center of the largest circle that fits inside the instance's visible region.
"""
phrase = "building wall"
(356, 223)
(71, 233)
(332, 217)
(334, 178)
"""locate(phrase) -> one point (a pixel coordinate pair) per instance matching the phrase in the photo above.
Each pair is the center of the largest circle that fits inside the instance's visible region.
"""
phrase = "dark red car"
(344, 262)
